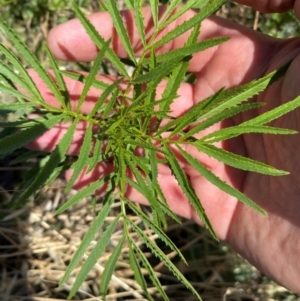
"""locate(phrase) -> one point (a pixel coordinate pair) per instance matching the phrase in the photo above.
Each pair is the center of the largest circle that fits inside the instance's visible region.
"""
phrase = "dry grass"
(36, 246)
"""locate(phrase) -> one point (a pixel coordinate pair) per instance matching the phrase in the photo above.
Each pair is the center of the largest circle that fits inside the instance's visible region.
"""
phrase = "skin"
(272, 244)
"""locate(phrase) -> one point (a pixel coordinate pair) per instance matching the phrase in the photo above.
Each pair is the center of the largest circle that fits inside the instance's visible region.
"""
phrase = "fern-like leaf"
(187, 25)
(99, 41)
(93, 257)
(85, 149)
(65, 98)
(154, 9)
(135, 266)
(110, 267)
(218, 117)
(179, 13)
(161, 255)
(87, 191)
(238, 161)
(273, 114)
(32, 60)
(161, 235)
(211, 177)
(160, 71)
(92, 75)
(55, 158)
(120, 28)
(108, 90)
(87, 239)
(10, 143)
(231, 132)
(31, 86)
(188, 189)
(150, 271)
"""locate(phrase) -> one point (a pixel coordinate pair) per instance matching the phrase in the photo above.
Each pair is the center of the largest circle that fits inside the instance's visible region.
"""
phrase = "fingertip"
(297, 9)
(70, 42)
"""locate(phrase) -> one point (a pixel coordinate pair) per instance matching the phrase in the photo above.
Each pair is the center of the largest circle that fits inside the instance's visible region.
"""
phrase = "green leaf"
(32, 60)
(187, 188)
(151, 272)
(154, 10)
(135, 266)
(87, 191)
(97, 156)
(25, 156)
(211, 177)
(92, 75)
(15, 93)
(154, 166)
(231, 132)
(187, 25)
(129, 3)
(79, 165)
(190, 116)
(31, 86)
(162, 256)
(14, 107)
(99, 41)
(83, 78)
(164, 206)
(65, 97)
(168, 12)
(21, 138)
(189, 49)
(142, 143)
(161, 235)
(15, 78)
(122, 168)
(110, 89)
(142, 187)
(139, 20)
(93, 257)
(238, 161)
(179, 12)
(110, 105)
(273, 114)
(120, 28)
(87, 239)
(160, 71)
(242, 93)
(200, 3)
(27, 178)
(220, 117)
(110, 267)
(178, 74)
(55, 158)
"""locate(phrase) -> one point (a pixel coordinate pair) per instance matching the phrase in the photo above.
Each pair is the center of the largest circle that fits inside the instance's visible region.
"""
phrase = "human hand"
(269, 6)
(269, 243)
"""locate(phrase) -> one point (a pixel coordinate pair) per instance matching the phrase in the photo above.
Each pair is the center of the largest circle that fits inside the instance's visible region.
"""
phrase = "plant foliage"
(121, 121)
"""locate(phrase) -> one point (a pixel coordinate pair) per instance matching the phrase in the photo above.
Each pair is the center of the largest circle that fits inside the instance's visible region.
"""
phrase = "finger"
(267, 6)
(246, 48)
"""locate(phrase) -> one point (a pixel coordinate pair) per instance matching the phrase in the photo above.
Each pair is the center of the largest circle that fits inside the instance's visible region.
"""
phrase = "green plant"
(124, 119)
